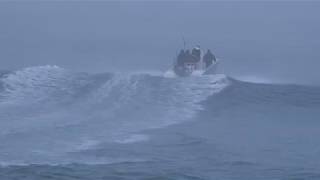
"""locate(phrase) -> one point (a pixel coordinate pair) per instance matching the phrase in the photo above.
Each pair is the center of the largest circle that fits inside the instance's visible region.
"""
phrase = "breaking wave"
(50, 115)
(48, 112)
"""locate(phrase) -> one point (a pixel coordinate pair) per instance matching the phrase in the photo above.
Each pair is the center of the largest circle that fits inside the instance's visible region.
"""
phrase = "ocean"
(65, 125)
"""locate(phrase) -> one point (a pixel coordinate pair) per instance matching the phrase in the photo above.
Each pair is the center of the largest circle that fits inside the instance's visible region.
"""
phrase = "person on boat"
(181, 58)
(196, 52)
(187, 52)
(190, 58)
(208, 58)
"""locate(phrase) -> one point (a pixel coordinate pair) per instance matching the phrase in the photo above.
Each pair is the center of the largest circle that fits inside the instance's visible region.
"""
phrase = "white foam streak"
(32, 83)
(112, 110)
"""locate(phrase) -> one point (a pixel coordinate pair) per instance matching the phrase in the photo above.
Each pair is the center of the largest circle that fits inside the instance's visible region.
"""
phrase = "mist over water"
(85, 91)
(271, 40)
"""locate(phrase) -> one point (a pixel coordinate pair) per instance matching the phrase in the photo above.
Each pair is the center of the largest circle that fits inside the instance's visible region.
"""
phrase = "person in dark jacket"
(181, 58)
(196, 52)
(190, 58)
(208, 58)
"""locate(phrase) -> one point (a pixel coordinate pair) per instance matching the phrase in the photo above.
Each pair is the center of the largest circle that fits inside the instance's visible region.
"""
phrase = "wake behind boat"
(194, 63)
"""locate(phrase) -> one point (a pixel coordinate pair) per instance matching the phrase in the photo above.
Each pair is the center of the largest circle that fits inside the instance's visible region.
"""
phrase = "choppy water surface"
(57, 124)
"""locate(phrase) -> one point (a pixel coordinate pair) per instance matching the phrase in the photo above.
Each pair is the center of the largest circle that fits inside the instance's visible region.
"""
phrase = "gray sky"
(277, 41)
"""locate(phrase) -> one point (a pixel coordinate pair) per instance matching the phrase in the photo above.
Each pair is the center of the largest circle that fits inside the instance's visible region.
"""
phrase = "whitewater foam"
(76, 111)
(32, 84)
(115, 123)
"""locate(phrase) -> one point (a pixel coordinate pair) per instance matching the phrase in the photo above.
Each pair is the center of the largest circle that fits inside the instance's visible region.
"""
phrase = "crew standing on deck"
(196, 52)
(208, 58)
(181, 57)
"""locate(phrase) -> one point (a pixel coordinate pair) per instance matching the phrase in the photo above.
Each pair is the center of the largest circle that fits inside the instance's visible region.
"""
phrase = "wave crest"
(72, 109)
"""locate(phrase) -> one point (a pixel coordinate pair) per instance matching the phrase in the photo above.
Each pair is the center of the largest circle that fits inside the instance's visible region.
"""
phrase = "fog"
(276, 42)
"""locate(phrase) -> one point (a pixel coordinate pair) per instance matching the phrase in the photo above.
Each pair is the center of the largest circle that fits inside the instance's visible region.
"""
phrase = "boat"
(194, 63)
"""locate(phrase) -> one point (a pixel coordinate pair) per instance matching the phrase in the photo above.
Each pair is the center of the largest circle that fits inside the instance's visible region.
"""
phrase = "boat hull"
(183, 72)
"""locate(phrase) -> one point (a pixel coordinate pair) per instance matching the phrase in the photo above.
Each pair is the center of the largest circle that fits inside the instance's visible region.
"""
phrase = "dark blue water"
(58, 124)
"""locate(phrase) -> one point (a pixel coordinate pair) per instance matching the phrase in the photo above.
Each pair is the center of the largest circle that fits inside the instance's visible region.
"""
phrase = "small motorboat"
(194, 63)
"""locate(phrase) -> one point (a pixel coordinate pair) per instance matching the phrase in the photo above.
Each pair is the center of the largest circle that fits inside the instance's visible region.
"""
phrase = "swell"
(242, 93)
(68, 112)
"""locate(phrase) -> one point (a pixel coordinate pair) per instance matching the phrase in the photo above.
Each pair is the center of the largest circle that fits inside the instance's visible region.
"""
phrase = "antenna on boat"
(184, 43)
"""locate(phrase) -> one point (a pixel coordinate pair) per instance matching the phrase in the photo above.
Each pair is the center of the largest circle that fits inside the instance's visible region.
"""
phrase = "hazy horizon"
(131, 115)
(275, 41)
